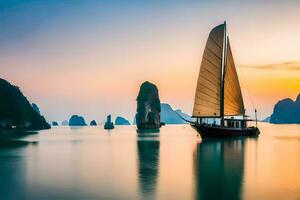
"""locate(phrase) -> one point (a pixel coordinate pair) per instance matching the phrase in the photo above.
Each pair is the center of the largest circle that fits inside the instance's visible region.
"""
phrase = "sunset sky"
(90, 57)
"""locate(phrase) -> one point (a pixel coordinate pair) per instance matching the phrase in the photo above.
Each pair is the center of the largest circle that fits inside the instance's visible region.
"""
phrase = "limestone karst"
(77, 120)
(16, 111)
(148, 107)
(108, 124)
(121, 121)
(93, 123)
(286, 111)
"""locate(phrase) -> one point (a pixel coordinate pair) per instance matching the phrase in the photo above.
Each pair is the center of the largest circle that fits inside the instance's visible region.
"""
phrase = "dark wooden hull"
(206, 131)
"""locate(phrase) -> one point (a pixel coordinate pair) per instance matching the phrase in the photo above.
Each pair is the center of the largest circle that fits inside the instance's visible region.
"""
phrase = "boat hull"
(223, 132)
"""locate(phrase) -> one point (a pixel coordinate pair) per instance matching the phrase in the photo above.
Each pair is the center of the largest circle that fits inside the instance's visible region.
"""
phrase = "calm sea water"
(91, 163)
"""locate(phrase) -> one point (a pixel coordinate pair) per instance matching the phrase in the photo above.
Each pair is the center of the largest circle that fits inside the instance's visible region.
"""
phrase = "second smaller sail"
(233, 99)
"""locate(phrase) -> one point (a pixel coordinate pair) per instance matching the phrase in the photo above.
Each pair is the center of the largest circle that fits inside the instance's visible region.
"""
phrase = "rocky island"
(108, 124)
(77, 120)
(54, 123)
(65, 123)
(121, 121)
(16, 111)
(286, 111)
(148, 107)
(93, 123)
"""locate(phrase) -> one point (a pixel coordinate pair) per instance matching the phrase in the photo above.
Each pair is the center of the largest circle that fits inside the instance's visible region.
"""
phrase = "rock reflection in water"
(148, 164)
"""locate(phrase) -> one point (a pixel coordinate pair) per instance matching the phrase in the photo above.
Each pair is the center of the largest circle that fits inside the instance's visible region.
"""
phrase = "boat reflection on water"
(219, 168)
(148, 163)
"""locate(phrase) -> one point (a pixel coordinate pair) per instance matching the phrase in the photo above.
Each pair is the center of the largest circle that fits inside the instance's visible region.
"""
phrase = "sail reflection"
(219, 168)
(148, 163)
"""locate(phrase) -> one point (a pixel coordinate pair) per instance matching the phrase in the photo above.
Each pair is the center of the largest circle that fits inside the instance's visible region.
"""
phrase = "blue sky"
(89, 57)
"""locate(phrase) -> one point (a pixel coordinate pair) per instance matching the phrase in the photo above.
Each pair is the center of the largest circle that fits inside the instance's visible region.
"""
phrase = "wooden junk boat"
(218, 95)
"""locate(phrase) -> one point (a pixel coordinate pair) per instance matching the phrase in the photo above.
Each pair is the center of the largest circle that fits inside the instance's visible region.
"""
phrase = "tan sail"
(207, 97)
(233, 99)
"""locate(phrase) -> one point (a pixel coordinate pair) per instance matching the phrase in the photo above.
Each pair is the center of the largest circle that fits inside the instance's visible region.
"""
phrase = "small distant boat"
(218, 94)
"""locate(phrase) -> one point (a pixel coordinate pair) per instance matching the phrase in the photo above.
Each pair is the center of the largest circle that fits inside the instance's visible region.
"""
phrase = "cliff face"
(148, 107)
(286, 111)
(16, 111)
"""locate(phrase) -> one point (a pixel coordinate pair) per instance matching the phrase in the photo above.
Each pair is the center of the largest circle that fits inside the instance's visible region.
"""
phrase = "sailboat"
(218, 94)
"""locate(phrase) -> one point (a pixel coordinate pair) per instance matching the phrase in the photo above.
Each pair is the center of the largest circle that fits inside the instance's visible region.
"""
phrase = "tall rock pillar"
(148, 107)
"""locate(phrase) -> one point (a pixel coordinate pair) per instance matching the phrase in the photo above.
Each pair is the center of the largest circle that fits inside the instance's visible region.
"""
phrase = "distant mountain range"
(184, 115)
(286, 111)
(170, 116)
(65, 123)
(267, 119)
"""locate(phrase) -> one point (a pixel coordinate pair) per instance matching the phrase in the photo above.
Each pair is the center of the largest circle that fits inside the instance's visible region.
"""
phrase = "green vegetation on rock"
(16, 111)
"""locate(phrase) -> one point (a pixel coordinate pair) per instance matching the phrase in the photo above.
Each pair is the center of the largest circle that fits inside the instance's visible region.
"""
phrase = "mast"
(223, 75)
(255, 117)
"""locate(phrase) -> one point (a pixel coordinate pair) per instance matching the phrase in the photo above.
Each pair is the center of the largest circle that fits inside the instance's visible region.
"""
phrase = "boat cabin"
(235, 123)
(228, 122)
